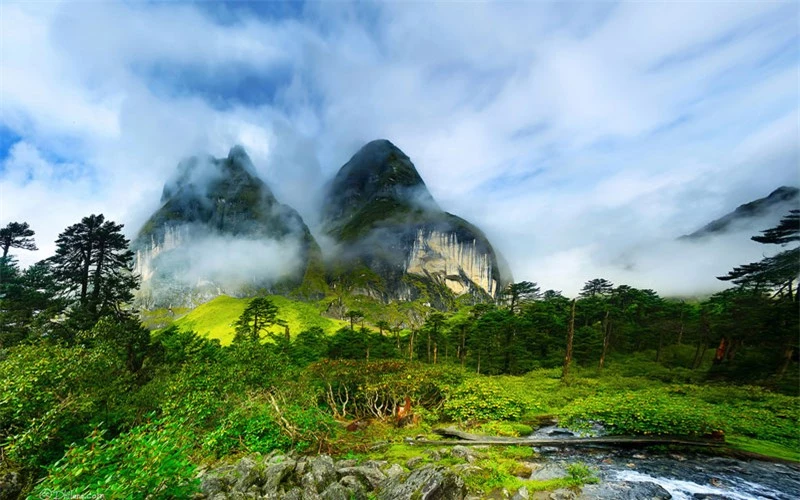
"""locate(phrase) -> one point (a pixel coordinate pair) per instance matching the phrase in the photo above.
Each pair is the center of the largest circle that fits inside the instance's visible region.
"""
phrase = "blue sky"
(582, 137)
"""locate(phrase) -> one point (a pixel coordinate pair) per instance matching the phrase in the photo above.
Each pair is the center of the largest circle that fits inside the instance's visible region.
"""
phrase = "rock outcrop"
(220, 230)
(321, 478)
(395, 242)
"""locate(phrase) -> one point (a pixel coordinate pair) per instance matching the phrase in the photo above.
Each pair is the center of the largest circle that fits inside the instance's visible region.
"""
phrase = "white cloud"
(571, 136)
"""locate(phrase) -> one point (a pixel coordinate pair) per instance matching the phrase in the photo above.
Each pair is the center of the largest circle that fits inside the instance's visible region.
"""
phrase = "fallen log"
(468, 439)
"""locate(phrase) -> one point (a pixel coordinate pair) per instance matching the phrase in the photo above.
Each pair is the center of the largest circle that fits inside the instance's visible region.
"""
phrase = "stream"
(636, 474)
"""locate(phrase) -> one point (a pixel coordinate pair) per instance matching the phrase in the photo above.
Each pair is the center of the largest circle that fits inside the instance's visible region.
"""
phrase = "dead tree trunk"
(570, 337)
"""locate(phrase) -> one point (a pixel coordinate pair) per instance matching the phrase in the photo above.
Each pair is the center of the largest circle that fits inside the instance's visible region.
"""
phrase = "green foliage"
(482, 399)
(377, 388)
(150, 458)
(257, 317)
(49, 397)
(215, 319)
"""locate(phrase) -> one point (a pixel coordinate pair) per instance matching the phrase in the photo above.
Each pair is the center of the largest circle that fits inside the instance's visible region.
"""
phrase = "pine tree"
(94, 267)
(597, 286)
(516, 294)
(258, 316)
(17, 235)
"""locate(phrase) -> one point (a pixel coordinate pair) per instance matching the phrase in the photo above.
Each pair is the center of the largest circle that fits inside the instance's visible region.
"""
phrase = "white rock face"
(174, 236)
(441, 255)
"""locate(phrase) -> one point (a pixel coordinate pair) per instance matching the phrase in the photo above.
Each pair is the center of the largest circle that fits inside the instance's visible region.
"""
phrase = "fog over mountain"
(582, 145)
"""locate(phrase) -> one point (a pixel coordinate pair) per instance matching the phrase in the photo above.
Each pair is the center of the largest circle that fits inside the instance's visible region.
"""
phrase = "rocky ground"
(321, 477)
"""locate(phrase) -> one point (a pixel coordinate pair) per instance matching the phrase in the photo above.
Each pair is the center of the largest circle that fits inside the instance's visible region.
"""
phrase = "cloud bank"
(582, 138)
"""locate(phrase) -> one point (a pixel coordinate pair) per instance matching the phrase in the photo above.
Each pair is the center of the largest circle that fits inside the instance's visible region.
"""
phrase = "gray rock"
(293, 494)
(427, 483)
(394, 470)
(548, 471)
(372, 476)
(210, 484)
(341, 464)
(626, 490)
(355, 486)
(378, 464)
(463, 453)
(563, 494)
(521, 494)
(336, 491)
(322, 473)
(435, 455)
(275, 474)
(248, 474)
(413, 462)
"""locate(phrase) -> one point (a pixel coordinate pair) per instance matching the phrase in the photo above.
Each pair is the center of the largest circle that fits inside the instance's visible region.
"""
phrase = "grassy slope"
(215, 319)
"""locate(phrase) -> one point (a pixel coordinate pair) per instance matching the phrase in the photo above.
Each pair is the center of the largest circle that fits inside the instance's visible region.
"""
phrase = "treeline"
(748, 332)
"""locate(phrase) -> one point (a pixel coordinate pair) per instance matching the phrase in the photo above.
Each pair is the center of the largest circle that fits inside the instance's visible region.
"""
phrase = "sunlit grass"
(216, 318)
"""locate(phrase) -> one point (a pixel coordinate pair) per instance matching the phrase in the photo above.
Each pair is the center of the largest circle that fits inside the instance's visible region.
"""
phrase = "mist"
(581, 145)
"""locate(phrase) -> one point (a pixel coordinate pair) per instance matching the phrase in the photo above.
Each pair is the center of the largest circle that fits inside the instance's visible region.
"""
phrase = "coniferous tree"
(17, 235)
(94, 268)
(516, 294)
(257, 317)
(597, 286)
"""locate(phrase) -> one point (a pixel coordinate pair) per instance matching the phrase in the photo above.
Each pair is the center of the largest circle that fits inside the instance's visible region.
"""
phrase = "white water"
(683, 490)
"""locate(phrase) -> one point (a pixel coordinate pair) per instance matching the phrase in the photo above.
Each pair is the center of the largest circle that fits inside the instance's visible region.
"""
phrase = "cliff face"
(221, 230)
(395, 240)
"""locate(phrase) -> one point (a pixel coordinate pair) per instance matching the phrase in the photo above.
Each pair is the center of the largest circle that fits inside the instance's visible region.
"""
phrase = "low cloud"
(576, 139)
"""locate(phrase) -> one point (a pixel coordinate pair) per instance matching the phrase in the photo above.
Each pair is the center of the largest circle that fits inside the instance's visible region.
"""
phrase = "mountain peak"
(378, 182)
(379, 207)
(761, 207)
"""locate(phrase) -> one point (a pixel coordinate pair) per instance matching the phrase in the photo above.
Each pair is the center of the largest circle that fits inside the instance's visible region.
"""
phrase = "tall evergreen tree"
(516, 294)
(257, 317)
(597, 286)
(17, 235)
(94, 266)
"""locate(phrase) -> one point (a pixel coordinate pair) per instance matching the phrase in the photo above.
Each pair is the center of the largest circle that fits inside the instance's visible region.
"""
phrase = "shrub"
(378, 388)
(151, 458)
(482, 399)
(644, 412)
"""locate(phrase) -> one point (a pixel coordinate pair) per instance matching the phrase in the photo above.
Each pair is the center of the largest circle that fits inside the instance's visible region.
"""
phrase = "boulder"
(275, 474)
(626, 490)
(394, 470)
(427, 483)
(463, 453)
(548, 471)
(371, 476)
(321, 473)
(355, 486)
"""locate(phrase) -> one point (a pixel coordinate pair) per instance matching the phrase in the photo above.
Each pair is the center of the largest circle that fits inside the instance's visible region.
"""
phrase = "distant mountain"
(220, 230)
(779, 201)
(395, 242)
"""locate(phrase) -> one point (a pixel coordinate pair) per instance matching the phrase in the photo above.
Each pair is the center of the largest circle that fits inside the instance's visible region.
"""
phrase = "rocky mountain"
(395, 242)
(220, 230)
(776, 203)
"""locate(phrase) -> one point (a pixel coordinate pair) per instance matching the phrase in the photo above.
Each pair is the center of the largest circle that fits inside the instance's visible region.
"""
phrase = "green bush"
(482, 399)
(644, 412)
(149, 459)
(377, 388)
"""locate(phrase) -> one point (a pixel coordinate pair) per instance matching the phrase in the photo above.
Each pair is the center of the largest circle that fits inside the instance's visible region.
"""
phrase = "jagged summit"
(397, 241)
(378, 182)
(214, 211)
(783, 198)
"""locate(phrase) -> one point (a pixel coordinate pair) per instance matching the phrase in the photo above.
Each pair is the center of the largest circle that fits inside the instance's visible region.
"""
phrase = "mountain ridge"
(756, 208)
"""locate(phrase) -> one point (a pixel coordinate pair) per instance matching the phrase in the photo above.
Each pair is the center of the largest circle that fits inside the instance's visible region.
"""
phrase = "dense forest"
(94, 401)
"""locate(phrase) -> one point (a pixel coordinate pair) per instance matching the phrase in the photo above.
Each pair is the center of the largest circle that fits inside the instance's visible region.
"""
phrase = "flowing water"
(653, 474)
